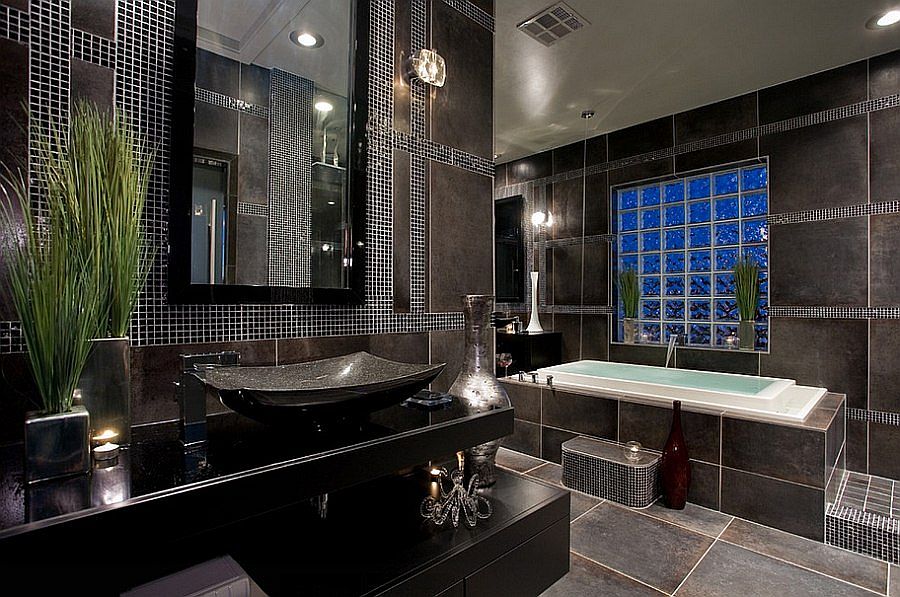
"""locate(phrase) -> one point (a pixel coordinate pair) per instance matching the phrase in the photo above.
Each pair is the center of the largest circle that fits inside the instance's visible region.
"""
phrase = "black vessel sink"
(345, 387)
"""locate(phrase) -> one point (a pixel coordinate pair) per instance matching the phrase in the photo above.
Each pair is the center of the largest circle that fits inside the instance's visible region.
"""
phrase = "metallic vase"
(747, 334)
(105, 386)
(476, 387)
(57, 445)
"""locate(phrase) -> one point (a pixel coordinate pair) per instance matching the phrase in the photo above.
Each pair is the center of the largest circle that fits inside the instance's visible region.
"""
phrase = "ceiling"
(258, 32)
(643, 59)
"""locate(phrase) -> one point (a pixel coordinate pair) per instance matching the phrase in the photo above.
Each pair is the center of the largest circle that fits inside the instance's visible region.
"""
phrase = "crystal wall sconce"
(429, 67)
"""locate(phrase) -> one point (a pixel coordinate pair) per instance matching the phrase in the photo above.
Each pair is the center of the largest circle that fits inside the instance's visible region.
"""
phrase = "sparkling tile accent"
(224, 101)
(599, 468)
(865, 517)
(473, 12)
(836, 312)
(835, 213)
(93, 48)
(417, 166)
(873, 416)
(252, 209)
(14, 24)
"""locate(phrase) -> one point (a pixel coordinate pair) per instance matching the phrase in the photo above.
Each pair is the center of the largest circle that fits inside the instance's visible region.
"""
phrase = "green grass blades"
(746, 288)
(629, 292)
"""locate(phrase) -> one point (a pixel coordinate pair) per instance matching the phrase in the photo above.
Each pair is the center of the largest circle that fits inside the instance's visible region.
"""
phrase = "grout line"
(648, 513)
(591, 509)
(619, 572)
(705, 553)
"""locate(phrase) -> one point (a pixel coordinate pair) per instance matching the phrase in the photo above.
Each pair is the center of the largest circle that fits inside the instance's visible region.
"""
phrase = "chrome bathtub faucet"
(672, 348)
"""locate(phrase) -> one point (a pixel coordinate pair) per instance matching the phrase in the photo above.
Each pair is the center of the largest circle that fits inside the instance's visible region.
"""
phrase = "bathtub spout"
(673, 339)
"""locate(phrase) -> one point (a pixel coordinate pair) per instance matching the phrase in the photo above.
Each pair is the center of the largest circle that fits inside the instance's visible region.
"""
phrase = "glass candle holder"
(632, 451)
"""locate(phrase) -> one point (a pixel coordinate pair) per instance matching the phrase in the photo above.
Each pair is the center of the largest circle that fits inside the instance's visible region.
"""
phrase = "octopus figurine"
(461, 499)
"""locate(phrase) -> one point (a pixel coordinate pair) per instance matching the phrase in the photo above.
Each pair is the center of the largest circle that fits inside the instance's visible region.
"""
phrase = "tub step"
(865, 517)
(599, 468)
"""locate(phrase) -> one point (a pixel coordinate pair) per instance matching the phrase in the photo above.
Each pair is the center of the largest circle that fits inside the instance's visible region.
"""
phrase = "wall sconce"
(540, 218)
(429, 67)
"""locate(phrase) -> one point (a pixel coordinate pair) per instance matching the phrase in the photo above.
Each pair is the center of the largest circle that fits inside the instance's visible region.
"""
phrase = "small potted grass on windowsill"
(746, 293)
(629, 294)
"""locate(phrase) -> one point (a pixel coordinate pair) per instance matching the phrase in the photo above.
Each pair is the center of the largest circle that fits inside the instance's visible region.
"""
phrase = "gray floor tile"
(581, 503)
(517, 461)
(645, 548)
(894, 583)
(551, 473)
(694, 517)
(587, 579)
(728, 570)
(855, 568)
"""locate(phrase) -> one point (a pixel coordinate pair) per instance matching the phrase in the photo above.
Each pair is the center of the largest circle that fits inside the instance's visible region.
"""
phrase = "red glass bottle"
(675, 468)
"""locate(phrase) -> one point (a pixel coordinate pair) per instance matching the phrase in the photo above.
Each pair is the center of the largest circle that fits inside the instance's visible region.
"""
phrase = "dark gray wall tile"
(595, 285)
(595, 150)
(499, 176)
(743, 363)
(447, 347)
(567, 262)
(534, 166)
(95, 16)
(91, 83)
(216, 128)
(13, 92)
(704, 488)
(588, 415)
(402, 49)
(253, 166)
(817, 166)
(461, 210)
(828, 89)
(762, 499)
(526, 438)
(462, 110)
(217, 73)
(485, 5)
(885, 247)
(570, 328)
(567, 207)
(829, 353)
(637, 354)
(641, 138)
(252, 262)
(788, 453)
(834, 439)
(884, 155)
(401, 232)
(857, 446)
(407, 348)
(716, 156)
(884, 445)
(551, 443)
(596, 204)
(650, 425)
(255, 83)
(644, 170)
(884, 372)
(299, 350)
(526, 400)
(804, 258)
(568, 157)
(20, 396)
(735, 114)
(595, 337)
(884, 75)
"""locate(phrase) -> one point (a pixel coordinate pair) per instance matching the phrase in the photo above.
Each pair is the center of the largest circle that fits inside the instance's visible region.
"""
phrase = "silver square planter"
(57, 445)
(105, 386)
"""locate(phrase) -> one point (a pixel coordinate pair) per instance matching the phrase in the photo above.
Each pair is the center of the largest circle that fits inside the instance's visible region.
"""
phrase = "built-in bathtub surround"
(742, 467)
(430, 159)
(831, 143)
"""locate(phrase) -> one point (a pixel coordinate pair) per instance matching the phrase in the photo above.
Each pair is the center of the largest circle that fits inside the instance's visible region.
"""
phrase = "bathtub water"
(751, 396)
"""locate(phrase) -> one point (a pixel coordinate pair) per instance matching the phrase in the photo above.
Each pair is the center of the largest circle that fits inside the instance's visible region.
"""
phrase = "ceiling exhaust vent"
(553, 23)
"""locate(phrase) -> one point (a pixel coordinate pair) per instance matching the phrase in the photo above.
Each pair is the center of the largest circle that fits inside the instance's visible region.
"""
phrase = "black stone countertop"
(242, 455)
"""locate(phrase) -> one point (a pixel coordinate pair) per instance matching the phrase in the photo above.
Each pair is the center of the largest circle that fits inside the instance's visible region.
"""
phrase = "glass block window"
(683, 237)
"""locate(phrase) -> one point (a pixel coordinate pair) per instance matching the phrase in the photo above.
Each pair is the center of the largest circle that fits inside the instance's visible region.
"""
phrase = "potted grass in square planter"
(630, 294)
(55, 292)
(746, 293)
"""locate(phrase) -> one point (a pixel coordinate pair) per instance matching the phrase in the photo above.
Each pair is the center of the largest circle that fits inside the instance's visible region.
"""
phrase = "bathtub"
(747, 396)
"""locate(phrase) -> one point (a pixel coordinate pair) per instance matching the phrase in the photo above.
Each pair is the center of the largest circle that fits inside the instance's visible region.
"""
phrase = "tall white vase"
(534, 326)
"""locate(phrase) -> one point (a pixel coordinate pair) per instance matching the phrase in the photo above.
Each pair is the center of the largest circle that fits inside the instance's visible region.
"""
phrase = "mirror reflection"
(271, 121)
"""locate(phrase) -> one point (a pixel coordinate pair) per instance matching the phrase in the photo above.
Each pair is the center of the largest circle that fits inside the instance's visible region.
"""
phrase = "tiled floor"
(870, 494)
(696, 551)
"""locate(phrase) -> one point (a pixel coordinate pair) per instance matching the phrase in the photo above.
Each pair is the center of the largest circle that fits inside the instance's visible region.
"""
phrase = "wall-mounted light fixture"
(540, 218)
(429, 67)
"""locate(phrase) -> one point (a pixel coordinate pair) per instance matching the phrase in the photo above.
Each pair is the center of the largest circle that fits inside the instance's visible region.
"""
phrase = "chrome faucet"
(672, 349)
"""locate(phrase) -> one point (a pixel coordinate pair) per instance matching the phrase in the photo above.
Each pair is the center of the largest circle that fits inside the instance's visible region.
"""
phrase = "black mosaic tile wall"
(119, 52)
(832, 145)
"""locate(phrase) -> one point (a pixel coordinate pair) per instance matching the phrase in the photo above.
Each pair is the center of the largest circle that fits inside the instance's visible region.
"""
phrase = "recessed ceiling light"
(323, 106)
(880, 21)
(305, 39)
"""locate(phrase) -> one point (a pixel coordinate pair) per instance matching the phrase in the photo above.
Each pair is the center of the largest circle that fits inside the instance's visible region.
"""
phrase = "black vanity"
(252, 492)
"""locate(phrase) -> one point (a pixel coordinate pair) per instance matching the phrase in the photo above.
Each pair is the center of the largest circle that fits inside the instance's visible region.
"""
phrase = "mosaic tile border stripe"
(473, 12)
(863, 532)
(824, 116)
(14, 24)
(426, 148)
(417, 166)
(835, 312)
(577, 240)
(93, 48)
(873, 416)
(561, 309)
(225, 101)
(835, 213)
(245, 208)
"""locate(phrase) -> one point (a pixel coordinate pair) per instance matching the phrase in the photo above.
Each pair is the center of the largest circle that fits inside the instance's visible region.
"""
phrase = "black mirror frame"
(180, 288)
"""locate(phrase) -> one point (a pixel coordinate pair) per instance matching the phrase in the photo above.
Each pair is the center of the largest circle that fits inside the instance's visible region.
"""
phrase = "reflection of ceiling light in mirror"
(323, 106)
(326, 247)
(305, 39)
(886, 19)
(429, 67)
(331, 203)
(538, 217)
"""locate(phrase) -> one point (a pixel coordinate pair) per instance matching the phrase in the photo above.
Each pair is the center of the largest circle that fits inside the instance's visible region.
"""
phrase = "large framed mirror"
(269, 152)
